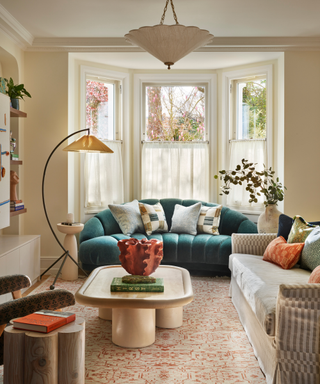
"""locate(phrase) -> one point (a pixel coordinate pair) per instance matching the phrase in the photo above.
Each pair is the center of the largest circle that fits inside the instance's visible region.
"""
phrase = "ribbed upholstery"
(98, 240)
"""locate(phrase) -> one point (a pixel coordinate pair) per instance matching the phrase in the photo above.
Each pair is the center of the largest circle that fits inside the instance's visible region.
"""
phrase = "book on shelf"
(118, 286)
(44, 321)
(13, 204)
(13, 209)
(15, 201)
(14, 156)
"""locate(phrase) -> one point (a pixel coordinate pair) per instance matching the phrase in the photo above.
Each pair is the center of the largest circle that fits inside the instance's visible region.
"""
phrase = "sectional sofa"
(202, 252)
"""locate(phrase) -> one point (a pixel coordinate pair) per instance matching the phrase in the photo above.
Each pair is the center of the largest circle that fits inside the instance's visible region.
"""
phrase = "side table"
(57, 357)
(70, 269)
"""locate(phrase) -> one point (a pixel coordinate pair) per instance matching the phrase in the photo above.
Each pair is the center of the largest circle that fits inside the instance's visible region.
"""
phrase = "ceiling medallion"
(169, 43)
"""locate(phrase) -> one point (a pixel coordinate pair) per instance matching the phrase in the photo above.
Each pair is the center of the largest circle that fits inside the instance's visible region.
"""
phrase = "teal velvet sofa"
(203, 252)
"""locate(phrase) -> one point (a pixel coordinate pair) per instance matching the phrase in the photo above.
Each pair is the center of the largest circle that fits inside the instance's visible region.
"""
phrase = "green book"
(118, 286)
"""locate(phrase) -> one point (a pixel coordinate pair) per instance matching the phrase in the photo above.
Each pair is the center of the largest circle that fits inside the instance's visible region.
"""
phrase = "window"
(175, 113)
(249, 110)
(102, 112)
(175, 125)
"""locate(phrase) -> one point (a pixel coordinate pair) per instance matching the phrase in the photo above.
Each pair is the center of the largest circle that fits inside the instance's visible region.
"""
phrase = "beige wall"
(46, 125)
(302, 134)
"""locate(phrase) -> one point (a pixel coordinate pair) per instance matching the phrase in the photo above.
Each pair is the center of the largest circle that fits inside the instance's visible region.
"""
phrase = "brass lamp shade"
(169, 43)
(88, 143)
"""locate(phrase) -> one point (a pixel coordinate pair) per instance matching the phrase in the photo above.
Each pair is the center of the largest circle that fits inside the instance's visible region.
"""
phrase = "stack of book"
(14, 156)
(44, 321)
(16, 205)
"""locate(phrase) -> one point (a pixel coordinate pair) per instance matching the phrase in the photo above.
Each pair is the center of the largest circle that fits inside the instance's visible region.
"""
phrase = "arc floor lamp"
(86, 143)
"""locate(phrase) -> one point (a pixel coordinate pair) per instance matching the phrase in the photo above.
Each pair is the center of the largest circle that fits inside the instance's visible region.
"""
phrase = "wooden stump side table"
(57, 357)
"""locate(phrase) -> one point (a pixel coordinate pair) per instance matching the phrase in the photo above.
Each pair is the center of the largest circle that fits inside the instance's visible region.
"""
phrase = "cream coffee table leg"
(133, 327)
(169, 317)
(105, 313)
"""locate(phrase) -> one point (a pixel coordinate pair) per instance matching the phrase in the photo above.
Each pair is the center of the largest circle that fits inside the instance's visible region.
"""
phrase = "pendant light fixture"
(169, 43)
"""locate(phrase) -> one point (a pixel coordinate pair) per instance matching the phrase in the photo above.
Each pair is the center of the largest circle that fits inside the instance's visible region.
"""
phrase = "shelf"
(15, 162)
(15, 213)
(16, 113)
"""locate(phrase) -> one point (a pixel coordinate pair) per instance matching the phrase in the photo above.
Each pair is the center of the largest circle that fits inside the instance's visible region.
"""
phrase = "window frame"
(227, 127)
(121, 126)
(164, 84)
(143, 80)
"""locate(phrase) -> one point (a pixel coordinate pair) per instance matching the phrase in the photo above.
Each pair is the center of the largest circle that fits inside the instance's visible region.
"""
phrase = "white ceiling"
(91, 25)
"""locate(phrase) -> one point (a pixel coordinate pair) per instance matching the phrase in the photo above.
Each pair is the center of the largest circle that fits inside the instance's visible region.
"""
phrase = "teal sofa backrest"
(230, 221)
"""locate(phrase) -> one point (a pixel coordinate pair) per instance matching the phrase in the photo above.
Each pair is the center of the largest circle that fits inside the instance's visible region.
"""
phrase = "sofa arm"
(251, 243)
(297, 334)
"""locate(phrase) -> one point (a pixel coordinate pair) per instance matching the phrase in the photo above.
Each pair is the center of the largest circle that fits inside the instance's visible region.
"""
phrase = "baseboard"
(47, 261)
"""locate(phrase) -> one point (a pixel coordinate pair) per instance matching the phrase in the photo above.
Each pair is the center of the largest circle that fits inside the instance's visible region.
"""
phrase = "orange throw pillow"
(315, 275)
(283, 254)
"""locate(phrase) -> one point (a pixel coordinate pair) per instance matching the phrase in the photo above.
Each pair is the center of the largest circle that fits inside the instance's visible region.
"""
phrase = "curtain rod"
(174, 142)
(233, 141)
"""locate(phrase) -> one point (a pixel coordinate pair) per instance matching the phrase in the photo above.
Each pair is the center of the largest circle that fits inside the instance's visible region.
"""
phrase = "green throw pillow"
(300, 230)
(310, 257)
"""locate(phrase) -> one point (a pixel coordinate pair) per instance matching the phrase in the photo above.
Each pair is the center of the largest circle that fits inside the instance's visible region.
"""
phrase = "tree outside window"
(175, 113)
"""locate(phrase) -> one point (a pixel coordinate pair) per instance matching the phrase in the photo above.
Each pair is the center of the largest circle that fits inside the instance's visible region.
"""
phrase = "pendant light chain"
(165, 10)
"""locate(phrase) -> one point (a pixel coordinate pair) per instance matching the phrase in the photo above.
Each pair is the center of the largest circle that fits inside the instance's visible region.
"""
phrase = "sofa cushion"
(128, 217)
(300, 230)
(283, 254)
(285, 224)
(315, 276)
(310, 257)
(153, 217)
(259, 282)
(185, 219)
(209, 220)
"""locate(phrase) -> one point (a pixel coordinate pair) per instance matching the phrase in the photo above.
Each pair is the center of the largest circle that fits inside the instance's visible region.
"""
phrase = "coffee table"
(135, 315)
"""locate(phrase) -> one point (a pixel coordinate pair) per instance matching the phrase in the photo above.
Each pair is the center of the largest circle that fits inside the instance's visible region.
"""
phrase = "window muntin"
(175, 113)
(250, 108)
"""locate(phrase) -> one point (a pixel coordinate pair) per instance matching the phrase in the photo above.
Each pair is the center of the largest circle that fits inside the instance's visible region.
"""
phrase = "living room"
(50, 62)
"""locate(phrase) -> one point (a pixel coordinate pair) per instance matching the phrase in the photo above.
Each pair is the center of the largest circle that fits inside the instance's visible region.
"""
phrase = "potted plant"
(16, 92)
(258, 183)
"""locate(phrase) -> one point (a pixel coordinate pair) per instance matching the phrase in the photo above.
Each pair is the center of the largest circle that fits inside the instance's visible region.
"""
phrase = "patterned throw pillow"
(153, 218)
(300, 230)
(185, 219)
(315, 276)
(310, 257)
(209, 220)
(128, 217)
(283, 254)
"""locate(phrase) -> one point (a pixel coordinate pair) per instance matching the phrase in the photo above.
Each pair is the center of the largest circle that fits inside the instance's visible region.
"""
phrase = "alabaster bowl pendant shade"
(169, 43)
(88, 143)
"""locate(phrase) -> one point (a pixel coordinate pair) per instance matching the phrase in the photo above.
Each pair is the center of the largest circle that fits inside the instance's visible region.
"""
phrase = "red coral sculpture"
(140, 257)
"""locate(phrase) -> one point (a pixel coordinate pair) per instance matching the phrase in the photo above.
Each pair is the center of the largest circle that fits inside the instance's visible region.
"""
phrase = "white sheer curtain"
(255, 152)
(103, 177)
(179, 170)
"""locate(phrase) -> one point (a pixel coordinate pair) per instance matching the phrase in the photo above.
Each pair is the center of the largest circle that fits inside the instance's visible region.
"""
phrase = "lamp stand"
(66, 252)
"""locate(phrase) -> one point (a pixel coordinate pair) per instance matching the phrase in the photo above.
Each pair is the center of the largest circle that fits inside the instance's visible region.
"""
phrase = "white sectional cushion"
(259, 281)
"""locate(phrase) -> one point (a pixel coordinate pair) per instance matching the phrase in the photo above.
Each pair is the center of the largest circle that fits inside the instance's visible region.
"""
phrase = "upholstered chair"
(22, 306)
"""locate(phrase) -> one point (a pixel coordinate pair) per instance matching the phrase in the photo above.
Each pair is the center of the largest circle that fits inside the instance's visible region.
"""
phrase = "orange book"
(44, 321)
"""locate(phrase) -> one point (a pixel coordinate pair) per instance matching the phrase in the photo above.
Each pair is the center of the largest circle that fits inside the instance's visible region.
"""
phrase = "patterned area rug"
(210, 348)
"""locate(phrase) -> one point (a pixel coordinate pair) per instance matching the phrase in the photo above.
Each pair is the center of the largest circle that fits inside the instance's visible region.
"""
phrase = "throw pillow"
(209, 220)
(128, 217)
(315, 276)
(285, 224)
(300, 230)
(185, 219)
(310, 257)
(283, 254)
(153, 218)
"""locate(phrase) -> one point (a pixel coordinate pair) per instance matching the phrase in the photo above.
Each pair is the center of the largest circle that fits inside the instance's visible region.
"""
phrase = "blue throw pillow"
(285, 224)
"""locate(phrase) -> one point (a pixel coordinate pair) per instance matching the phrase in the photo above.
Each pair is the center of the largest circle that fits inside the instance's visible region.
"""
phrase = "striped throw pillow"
(153, 217)
(209, 220)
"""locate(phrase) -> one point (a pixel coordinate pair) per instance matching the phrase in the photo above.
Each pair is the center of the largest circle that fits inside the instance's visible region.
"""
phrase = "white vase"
(268, 221)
